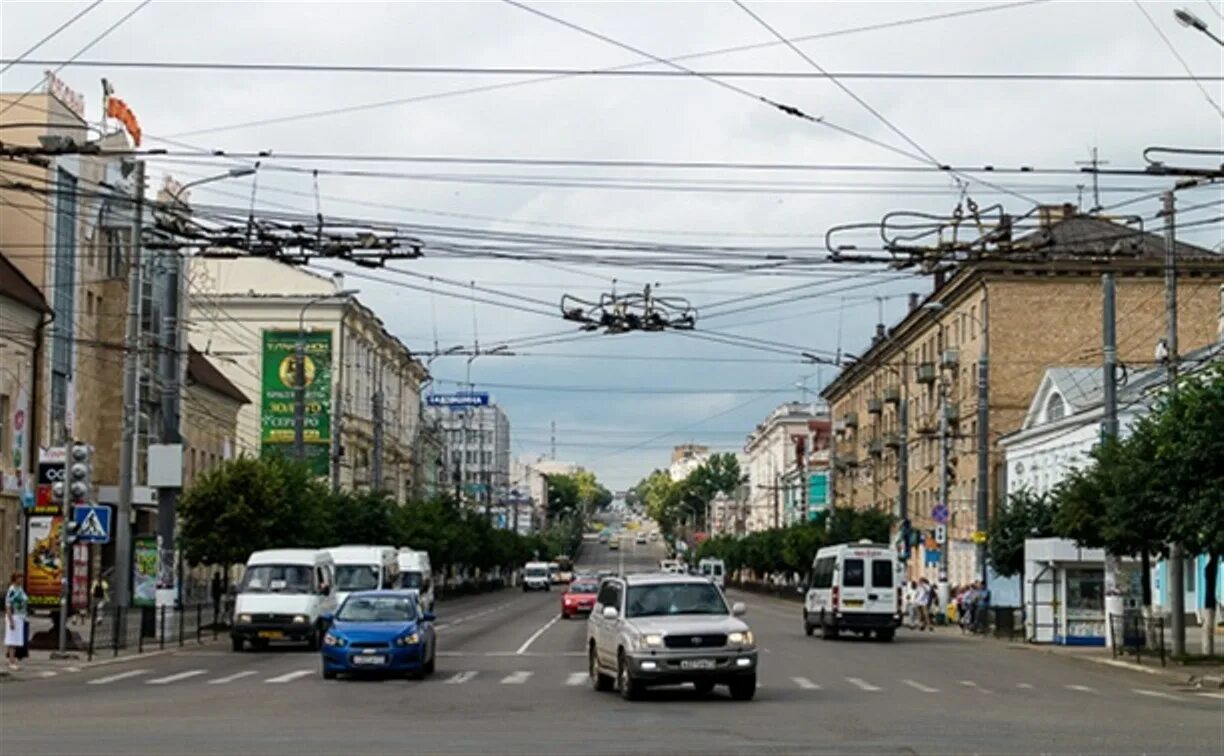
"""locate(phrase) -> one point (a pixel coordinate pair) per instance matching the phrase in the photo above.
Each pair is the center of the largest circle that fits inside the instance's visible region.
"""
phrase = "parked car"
(383, 632)
(283, 596)
(580, 597)
(855, 587)
(658, 629)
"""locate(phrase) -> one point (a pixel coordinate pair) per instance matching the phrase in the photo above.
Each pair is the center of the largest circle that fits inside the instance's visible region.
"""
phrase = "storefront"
(1064, 592)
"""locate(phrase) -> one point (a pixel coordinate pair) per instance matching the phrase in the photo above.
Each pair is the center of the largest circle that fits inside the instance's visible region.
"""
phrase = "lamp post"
(230, 174)
(299, 371)
(1191, 21)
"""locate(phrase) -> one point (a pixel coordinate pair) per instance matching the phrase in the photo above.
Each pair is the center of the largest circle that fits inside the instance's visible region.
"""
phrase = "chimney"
(338, 280)
(879, 334)
(914, 299)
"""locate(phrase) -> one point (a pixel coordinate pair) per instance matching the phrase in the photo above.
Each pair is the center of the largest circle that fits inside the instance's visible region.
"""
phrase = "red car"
(579, 598)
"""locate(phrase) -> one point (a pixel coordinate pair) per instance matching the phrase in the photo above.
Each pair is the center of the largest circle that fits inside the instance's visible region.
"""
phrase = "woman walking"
(16, 604)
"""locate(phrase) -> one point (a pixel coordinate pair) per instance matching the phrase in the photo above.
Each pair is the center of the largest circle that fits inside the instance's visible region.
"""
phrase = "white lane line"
(1024, 686)
(1080, 688)
(175, 678)
(231, 678)
(805, 683)
(919, 686)
(1156, 694)
(1219, 696)
(576, 678)
(972, 684)
(527, 643)
(47, 673)
(120, 676)
(441, 626)
(461, 677)
(858, 683)
(290, 676)
(517, 678)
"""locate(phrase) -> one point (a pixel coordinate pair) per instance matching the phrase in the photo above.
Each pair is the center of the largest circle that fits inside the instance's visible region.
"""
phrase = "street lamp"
(230, 174)
(1191, 21)
(299, 371)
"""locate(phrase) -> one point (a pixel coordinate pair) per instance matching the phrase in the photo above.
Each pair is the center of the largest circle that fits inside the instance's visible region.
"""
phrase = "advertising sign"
(44, 560)
(80, 576)
(144, 571)
(279, 376)
(463, 399)
(50, 471)
(18, 422)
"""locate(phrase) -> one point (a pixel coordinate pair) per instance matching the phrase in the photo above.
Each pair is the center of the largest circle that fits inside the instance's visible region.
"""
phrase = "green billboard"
(279, 375)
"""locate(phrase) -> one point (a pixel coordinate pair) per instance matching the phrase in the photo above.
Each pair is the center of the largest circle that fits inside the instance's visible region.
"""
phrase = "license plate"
(368, 661)
(271, 634)
(854, 602)
(697, 664)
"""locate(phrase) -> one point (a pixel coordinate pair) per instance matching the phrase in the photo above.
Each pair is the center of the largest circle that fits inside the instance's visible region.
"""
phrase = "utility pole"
(943, 491)
(903, 460)
(1177, 601)
(1114, 604)
(131, 413)
(376, 472)
(299, 395)
(552, 450)
(173, 348)
(983, 442)
(341, 395)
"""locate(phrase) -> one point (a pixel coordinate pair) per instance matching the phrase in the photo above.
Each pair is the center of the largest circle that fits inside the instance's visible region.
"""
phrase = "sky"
(619, 402)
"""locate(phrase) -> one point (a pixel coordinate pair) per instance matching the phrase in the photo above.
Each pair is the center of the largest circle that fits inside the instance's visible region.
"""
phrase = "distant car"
(603, 537)
(614, 544)
(536, 577)
(381, 632)
(579, 598)
(641, 538)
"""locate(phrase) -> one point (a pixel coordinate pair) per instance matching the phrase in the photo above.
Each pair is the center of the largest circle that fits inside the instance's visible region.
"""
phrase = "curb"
(73, 666)
(1180, 675)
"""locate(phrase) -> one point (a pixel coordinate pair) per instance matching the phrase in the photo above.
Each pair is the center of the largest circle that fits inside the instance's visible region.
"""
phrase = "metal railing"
(140, 629)
(1132, 633)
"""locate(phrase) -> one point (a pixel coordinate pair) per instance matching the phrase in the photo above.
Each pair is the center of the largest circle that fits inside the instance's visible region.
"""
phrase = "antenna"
(1095, 163)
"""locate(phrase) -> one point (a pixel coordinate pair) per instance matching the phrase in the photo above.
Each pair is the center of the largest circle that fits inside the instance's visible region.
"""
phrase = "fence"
(146, 628)
(1134, 633)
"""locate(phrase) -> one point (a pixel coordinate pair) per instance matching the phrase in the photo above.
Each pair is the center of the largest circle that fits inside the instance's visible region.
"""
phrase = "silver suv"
(661, 629)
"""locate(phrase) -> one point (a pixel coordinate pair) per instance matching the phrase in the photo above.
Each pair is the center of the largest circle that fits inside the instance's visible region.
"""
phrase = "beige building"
(211, 403)
(233, 302)
(1025, 311)
(773, 450)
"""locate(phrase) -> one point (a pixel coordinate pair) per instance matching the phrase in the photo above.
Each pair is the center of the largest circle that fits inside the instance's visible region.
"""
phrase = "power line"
(1169, 43)
(20, 59)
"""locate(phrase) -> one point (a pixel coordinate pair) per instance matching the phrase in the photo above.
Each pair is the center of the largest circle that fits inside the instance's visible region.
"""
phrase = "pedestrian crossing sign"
(92, 523)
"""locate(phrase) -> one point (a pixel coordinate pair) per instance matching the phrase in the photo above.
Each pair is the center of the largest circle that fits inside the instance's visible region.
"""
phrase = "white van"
(714, 569)
(856, 587)
(415, 574)
(364, 568)
(672, 566)
(281, 597)
(536, 577)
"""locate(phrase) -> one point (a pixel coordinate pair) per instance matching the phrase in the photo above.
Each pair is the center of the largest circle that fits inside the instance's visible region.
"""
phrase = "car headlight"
(244, 618)
(334, 640)
(741, 639)
(301, 619)
(652, 640)
(408, 640)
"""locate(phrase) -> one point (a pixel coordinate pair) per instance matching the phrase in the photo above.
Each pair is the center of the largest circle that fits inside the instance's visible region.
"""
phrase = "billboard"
(462, 399)
(44, 560)
(277, 396)
(144, 571)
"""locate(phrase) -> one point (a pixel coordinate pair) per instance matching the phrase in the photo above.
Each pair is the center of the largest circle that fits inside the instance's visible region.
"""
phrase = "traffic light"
(80, 473)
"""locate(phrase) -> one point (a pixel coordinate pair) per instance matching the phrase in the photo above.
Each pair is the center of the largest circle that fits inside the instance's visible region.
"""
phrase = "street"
(512, 678)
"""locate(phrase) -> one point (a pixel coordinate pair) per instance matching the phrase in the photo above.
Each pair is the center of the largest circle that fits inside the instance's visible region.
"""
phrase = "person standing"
(218, 591)
(922, 596)
(16, 605)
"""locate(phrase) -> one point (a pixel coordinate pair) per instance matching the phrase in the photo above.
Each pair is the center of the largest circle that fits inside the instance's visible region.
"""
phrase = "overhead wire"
(21, 59)
(1173, 49)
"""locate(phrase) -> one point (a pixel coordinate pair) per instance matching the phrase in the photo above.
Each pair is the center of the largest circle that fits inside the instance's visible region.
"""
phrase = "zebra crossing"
(523, 677)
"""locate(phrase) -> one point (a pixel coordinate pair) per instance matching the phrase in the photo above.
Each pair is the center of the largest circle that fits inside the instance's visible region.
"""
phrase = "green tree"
(1027, 515)
(365, 517)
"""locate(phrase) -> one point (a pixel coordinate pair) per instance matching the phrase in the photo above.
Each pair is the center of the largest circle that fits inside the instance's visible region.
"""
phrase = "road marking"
(441, 626)
(1080, 688)
(576, 678)
(175, 678)
(47, 673)
(1024, 686)
(919, 686)
(975, 686)
(1210, 695)
(231, 678)
(516, 678)
(289, 676)
(461, 677)
(120, 676)
(1156, 694)
(527, 643)
(860, 684)
(805, 683)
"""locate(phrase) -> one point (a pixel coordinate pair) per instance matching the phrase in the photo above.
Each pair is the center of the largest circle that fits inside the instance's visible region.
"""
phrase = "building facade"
(1022, 311)
(477, 440)
(775, 449)
(685, 459)
(211, 403)
(243, 311)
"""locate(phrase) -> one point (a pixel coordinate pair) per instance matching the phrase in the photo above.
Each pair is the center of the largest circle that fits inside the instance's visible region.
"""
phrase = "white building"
(773, 449)
(529, 490)
(236, 309)
(685, 459)
(477, 441)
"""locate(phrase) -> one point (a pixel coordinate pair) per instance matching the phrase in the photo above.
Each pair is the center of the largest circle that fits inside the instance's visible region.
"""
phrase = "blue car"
(381, 632)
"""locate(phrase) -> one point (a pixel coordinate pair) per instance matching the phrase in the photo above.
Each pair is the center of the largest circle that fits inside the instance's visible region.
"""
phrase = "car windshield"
(536, 572)
(583, 588)
(277, 578)
(377, 609)
(674, 598)
(411, 580)
(356, 577)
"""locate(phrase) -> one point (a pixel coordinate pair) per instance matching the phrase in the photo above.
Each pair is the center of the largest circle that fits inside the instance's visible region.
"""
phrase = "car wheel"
(328, 674)
(628, 688)
(703, 687)
(827, 631)
(599, 681)
(744, 688)
(236, 644)
(807, 626)
(312, 640)
(886, 635)
(525, 589)
(259, 644)
(432, 664)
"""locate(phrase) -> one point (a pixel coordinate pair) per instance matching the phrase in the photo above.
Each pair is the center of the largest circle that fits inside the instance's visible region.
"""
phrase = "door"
(606, 629)
(882, 594)
(853, 581)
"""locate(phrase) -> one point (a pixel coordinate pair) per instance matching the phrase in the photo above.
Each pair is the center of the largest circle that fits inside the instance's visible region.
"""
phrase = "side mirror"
(428, 616)
(610, 613)
(800, 590)
(738, 609)
(327, 618)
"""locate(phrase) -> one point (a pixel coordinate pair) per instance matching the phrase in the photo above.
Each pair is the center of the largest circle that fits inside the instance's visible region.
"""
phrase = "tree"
(563, 494)
(365, 517)
(1027, 515)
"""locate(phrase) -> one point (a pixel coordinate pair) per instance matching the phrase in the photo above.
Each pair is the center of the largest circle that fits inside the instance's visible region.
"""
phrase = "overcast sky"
(682, 394)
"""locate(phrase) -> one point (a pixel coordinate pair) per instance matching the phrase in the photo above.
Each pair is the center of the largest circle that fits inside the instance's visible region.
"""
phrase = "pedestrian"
(911, 604)
(932, 605)
(217, 591)
(16, 604)
(981, 610)
(921, 599)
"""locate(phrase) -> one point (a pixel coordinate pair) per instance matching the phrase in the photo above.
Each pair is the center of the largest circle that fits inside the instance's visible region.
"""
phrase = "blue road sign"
(93, 523)
(940, 514)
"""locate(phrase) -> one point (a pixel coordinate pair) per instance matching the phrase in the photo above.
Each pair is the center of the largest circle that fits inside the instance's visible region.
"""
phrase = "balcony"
(850, 419)
(950, 358)
(927, 424)
(875, 406)
(875, 447)
(892, 395)
(846, 462)
(952, 412)
(926, 372)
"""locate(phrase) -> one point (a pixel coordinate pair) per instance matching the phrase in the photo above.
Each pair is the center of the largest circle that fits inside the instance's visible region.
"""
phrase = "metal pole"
(66, 546)
(299, 391)
(943, 491)
(173, 349)
(903, 462)
(131, 414)
(376, 473)
(340, 390)
(1177, 601)
(983, 444)
(1114, 605)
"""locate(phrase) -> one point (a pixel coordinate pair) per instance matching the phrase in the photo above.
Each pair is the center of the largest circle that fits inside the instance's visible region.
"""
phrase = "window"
(852, 573)
(881, 573)
(822, 574)
(6, 440)
(1055, 407)
(663, 599)
(609, 595)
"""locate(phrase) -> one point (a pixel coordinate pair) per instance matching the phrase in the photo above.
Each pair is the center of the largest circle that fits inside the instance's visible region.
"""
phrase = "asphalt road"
(511, 679)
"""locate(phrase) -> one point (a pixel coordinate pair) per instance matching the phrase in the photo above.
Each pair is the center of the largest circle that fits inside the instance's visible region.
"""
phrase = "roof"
(661, 578)
(201, 372)
(287, 556)
(15, 286)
